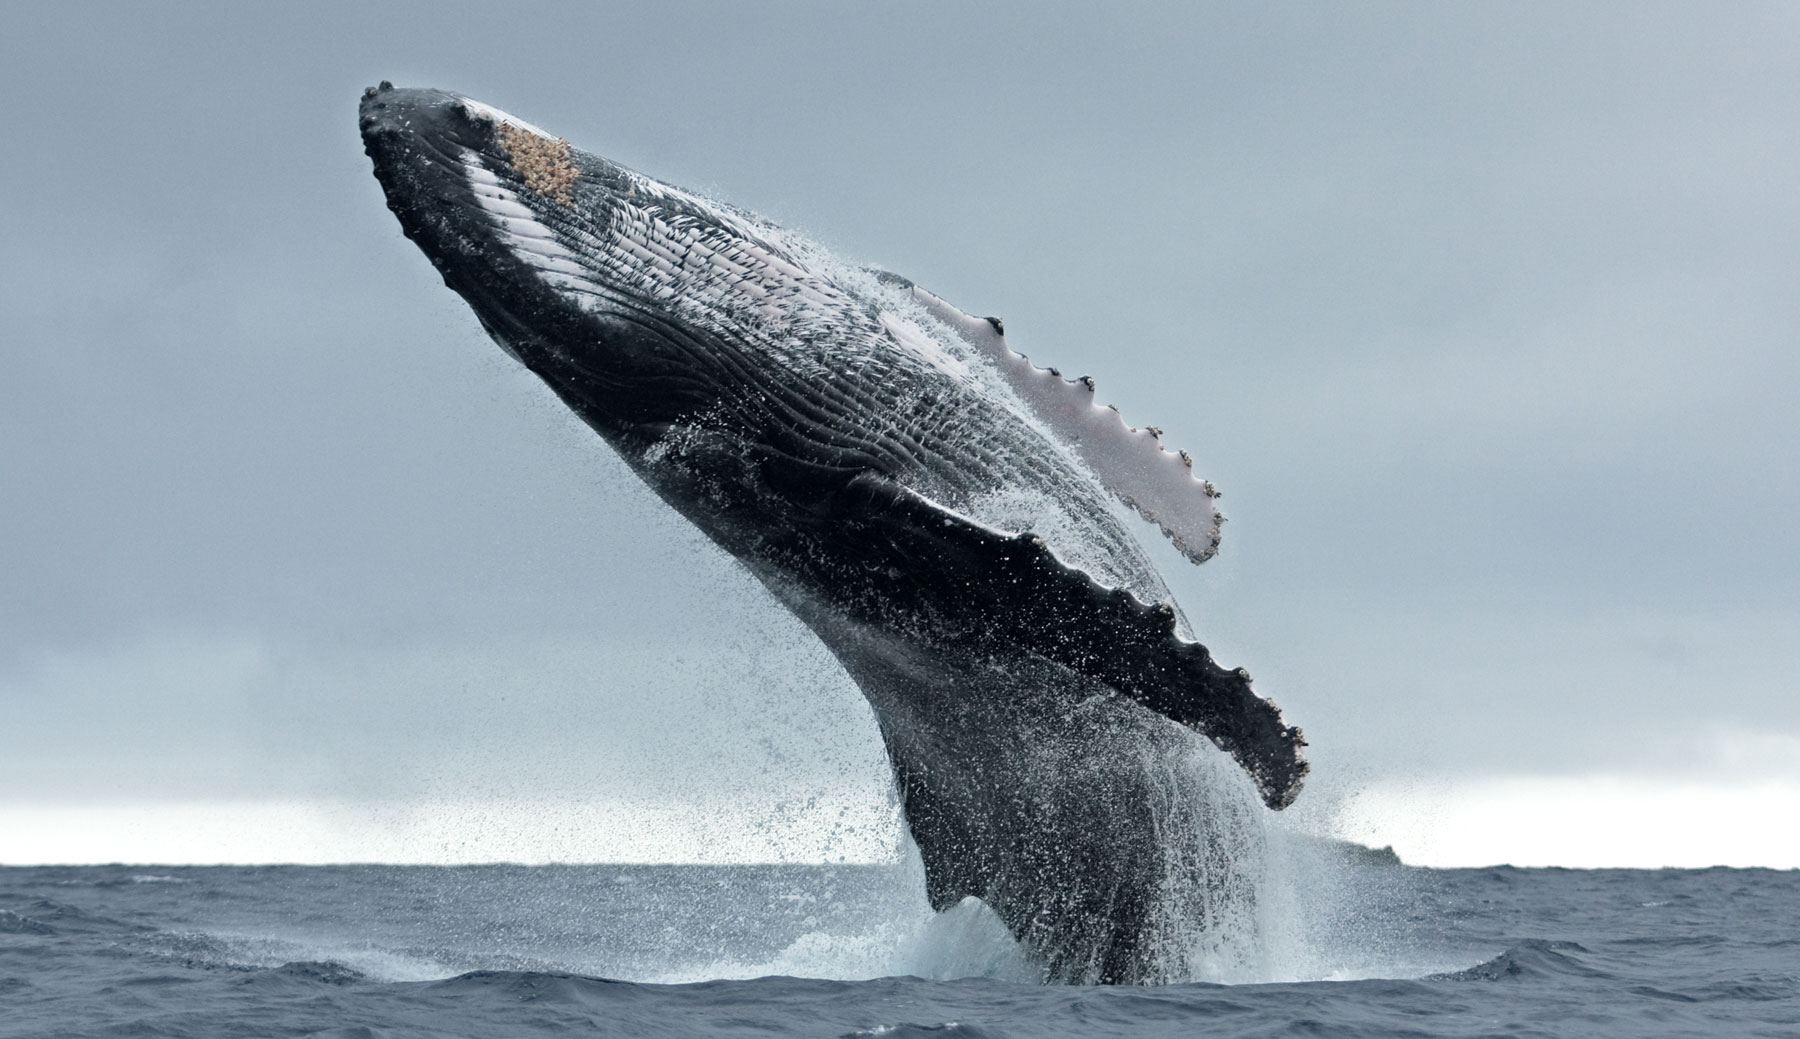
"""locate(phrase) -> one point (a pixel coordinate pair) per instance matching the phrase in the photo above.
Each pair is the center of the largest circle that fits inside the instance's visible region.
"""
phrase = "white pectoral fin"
(1131, 463)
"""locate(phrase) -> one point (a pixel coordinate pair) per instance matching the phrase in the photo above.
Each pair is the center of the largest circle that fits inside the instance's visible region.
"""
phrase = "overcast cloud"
(1483, 317)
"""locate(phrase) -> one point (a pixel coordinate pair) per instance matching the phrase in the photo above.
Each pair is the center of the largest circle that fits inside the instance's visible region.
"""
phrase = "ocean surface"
(1340, 945)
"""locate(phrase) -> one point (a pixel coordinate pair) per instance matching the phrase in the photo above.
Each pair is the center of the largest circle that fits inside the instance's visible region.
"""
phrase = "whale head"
(614, 287)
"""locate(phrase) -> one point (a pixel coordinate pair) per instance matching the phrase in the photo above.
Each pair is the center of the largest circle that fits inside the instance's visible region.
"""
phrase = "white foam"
(965, 941)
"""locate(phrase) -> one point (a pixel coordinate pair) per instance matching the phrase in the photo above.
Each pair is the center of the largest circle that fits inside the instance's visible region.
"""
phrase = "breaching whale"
(944, 515)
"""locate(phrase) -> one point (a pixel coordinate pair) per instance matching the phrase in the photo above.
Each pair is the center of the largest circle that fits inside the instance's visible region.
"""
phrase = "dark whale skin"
(1024, 703)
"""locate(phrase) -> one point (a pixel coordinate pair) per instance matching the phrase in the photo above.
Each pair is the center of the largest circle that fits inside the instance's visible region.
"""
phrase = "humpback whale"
(952, 521)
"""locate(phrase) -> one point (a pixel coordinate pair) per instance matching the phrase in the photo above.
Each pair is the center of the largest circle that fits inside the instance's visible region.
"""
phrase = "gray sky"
(1484, 318)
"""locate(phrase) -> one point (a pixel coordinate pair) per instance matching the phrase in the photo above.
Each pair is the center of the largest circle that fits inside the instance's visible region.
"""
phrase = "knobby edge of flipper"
(1132, 463)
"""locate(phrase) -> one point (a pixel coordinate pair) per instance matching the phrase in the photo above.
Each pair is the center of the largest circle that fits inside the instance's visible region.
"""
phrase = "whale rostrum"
(950, 519)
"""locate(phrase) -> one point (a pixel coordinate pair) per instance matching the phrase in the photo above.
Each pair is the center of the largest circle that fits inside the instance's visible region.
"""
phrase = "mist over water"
(669, 924)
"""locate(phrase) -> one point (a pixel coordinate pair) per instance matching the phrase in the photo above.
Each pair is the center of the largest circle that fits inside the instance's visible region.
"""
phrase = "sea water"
(1343, 945)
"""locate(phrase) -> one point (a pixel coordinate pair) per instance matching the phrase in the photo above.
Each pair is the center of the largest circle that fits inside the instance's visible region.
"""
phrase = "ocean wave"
(1531, 958)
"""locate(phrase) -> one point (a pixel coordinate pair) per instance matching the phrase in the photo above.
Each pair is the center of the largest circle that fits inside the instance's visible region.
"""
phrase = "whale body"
(950, 520)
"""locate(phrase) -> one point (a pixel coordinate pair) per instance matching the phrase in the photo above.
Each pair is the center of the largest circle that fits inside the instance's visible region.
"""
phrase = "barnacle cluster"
(542, 162)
